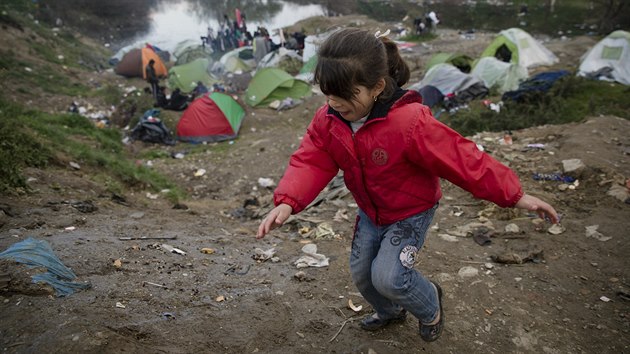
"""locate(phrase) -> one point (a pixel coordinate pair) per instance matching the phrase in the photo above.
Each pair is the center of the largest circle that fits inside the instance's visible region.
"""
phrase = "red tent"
(212, 117)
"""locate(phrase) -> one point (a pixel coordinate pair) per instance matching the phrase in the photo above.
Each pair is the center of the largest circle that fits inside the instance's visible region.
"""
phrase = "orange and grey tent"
(133, 63)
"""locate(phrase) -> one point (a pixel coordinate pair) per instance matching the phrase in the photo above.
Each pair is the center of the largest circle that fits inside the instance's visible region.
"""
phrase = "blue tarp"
(538, 83)
(36, 253)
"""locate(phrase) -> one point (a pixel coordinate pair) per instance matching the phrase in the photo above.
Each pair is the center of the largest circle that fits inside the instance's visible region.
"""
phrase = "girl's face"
(357, 107)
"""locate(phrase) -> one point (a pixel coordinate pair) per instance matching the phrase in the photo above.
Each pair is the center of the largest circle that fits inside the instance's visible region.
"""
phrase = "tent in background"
(609, 59)
(307, 72)
(285, 59)
(461, 61)
(133, 63)
(498, 74)
(210, 118)
(457, 86)
(186, 76)
(270, 84)
(187, 52)
(237, 60)
(517, 46)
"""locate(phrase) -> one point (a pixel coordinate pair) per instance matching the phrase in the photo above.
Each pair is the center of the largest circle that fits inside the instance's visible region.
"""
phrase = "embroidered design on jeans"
(403, 230)
(408, 256)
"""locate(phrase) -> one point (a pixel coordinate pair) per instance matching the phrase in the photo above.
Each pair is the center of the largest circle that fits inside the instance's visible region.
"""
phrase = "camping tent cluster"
(505, 66)
(451, 79)
(217, 116)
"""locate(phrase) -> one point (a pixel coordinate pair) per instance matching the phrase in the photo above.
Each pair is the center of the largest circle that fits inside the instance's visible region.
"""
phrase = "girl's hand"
(544, 210)
(276, 217)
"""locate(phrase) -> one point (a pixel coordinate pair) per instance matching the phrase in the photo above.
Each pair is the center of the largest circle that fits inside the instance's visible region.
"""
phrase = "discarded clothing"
(37, 253)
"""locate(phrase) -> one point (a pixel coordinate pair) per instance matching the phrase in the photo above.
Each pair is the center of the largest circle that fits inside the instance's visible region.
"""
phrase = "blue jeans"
(381, 263)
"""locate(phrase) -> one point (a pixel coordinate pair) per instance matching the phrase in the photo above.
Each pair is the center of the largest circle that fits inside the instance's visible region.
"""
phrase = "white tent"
(498, 74)
(521, 48)
(609, 59)
(446, 78)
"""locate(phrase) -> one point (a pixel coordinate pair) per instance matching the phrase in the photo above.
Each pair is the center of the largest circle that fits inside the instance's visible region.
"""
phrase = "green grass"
(571, 99)
(36, 139)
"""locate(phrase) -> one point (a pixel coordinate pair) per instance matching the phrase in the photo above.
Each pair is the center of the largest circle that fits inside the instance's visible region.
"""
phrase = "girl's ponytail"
(396, 65)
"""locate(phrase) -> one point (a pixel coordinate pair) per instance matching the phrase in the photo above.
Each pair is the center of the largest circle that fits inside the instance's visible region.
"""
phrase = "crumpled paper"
(311, 258)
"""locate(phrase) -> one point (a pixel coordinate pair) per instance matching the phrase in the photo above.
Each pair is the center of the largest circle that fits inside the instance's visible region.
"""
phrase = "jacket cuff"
(283, 199)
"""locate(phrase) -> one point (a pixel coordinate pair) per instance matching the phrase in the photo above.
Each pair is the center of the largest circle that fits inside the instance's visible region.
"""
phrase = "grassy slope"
(39, 63)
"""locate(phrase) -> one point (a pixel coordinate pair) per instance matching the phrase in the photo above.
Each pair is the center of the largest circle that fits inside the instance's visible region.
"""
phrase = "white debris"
(468, 272)
(266, 182)
(591, 231)
(311, 258)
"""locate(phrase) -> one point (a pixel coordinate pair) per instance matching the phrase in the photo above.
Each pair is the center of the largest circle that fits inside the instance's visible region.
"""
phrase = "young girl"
(393, 154)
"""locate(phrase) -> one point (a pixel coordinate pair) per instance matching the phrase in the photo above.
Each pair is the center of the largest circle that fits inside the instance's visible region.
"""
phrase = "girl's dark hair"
(351, 57)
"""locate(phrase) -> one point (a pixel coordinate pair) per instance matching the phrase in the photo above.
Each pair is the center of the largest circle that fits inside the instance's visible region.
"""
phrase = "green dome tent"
(186, 54)
(461, 61)
(498, 74)
(270, 84)
(517, 46)
(307, 72)
(185, 76)
(239, 59)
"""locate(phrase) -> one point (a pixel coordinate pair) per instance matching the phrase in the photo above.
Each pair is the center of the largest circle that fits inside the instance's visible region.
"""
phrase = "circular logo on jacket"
(379, 156)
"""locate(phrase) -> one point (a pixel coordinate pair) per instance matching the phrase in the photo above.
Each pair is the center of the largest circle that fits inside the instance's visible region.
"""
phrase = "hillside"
(529, 289)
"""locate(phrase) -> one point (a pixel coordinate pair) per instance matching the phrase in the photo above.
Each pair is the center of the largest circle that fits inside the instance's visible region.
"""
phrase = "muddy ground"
(565, 292)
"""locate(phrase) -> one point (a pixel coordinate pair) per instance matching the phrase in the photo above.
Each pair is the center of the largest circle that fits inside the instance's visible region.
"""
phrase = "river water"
(172, 23)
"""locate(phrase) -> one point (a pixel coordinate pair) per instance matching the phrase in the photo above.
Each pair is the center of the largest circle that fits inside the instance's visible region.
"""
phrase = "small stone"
(468, 272)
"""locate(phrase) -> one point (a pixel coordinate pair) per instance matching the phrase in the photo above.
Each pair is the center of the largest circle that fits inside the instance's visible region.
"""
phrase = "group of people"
(393, 153)
(426, 25)
(230, 35)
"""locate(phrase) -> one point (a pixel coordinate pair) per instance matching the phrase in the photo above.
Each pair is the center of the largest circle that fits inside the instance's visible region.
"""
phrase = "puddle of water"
(173, 23)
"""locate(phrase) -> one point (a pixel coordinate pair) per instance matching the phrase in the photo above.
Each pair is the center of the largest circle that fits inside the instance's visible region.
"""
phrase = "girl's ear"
(379, 87)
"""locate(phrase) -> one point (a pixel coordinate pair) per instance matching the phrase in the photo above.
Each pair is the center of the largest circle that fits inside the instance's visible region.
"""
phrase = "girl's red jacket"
(393, 163)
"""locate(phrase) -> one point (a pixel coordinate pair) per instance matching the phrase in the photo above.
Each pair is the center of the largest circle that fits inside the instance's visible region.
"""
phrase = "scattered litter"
(324, 230)
(535, 146)
(341, 215)
(129, 238)
(75, 165)
(553, 177)
(172, 249)
(120, 305)
(118, 263)
(511, 257)
(178, 155)
(168, 315)
(353, 307)
(70, 228)
(152, 196)
(619, 192)
(605, 299)
(512, 229)
(38, 254)
(591, 231)
(302, 276)
(311, 258)
(262, 255)
(220, 298)
(481, 235)
(266, 182)
(207, 250)
(200, 172)
(573, 166)
(154, 284)
(448, 238)
(556, 229)
(468, 272)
